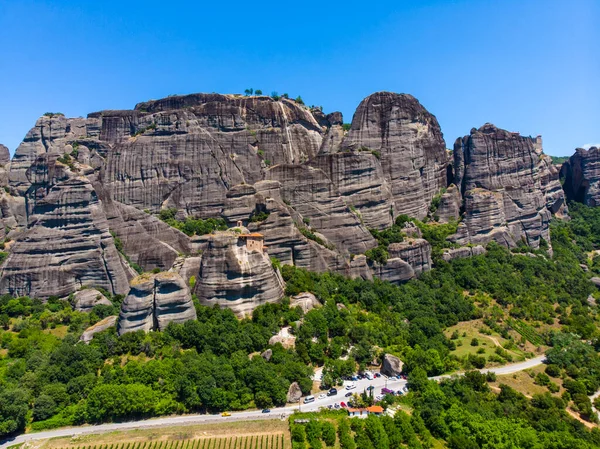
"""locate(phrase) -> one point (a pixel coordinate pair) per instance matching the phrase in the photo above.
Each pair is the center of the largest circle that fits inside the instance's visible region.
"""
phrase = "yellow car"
(225, 414)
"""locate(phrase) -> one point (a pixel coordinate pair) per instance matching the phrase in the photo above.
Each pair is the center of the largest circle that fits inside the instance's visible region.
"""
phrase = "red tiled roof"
(375, 409)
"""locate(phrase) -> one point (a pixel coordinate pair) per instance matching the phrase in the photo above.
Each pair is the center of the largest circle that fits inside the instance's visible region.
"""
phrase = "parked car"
(369, 375)
(336, 405)
(376, 375)
(351, 386)
(378, 397)
(405, 389)
(387, 391)
(309, 399)
(332, 392)
(343, 405)
(225, 414)
(354, 378)
(266, 410)
(348, 395)
(322, 396)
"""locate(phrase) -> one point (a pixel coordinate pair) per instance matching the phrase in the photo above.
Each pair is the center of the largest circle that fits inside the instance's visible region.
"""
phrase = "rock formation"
(391, 365)
(306, 301)
(581, 174)
(85, 300)
(154, 301)
(408, 141)
(509, 188)
(235, 275)
(462, 252)
(80, 198)
(294, 393)
(100, 326)
(66, 246)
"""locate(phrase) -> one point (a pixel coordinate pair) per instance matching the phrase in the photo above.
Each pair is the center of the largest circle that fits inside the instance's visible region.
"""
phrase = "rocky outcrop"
(450, 205)
(86, 300)
(408, 140)
(4, 155)
(406, 260)
(462, 252)
(294, 393)
(306, 301)
(154, 301)
(100, 326)
(66, 246)
(581, 174)
(391, 365)
(509, 187)
(234, 276)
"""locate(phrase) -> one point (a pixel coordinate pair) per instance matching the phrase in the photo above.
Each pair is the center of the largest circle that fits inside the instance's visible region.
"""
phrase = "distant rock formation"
(154, 301)
(391, 365)
(235, 275)
(509, 188)
(581, 175)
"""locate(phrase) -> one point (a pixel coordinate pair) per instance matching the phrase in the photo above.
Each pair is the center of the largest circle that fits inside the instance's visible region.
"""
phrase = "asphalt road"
(275, 413)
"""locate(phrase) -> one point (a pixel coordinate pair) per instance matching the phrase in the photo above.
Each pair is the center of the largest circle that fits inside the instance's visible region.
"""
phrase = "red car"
(343, 404)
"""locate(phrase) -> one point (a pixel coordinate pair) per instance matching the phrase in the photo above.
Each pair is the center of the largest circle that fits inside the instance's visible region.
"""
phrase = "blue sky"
(529, 66)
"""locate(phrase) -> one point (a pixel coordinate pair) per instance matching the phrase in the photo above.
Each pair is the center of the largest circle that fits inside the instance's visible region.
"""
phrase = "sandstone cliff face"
(410, 144)
(193, 148)
(312, 194)
(509, 188)
(233, 276)
(66, 246)
(582, 176)
(406, 260)
(154, 301)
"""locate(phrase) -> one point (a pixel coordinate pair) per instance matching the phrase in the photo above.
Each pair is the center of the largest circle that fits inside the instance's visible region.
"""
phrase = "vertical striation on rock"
(410, 144)
(234, 275)
(67, 246)
(581, 174)
(154, 301)
(509, 187)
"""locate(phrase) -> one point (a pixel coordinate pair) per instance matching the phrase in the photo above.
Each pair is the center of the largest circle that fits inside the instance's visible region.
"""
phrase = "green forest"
(535, 299)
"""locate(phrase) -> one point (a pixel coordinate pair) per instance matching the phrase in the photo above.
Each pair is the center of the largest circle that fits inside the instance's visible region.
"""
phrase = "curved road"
(280, 412)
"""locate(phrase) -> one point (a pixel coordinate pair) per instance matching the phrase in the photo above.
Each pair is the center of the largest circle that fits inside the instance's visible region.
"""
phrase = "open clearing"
(264, 434)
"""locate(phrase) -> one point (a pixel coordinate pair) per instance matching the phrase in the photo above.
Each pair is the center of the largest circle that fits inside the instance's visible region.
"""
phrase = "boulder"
(307, 301)
(391, 365)
(100, 326)
(154, 301)
(267, 354)
(86, 300)
(294, 393)
(596, 281)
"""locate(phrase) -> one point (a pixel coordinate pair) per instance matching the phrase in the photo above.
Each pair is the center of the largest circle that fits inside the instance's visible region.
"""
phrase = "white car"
(351, 386)
(322, 396)
(309, 399)
(378, 397)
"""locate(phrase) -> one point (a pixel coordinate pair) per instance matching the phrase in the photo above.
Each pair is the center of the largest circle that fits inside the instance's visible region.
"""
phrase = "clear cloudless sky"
(531, 66)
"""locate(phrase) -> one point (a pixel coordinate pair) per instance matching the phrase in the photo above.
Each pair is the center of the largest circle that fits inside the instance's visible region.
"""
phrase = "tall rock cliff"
(67, 245)
(581, 174)
(409, 143)
(509, 188)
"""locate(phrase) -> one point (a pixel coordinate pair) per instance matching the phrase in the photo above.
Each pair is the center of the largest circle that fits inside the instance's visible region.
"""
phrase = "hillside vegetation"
(532, 299)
